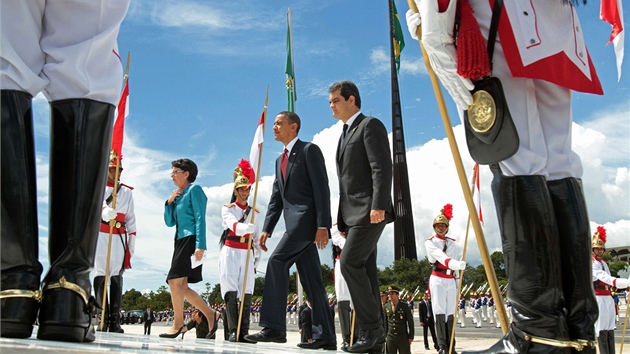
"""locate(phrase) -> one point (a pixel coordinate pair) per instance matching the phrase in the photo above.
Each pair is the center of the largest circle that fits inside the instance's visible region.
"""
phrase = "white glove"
(622, 283)
(250, 229)
(108, 213)
(131, 243)
(413, 21)
(457, 265)
(437, 38)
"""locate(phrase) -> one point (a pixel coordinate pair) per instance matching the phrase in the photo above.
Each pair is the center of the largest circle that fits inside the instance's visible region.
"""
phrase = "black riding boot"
(231, 312)
(21, 270)
(449, 330)
(441, 333)
(80, 137)
(531, 249)
(602, 341)
(247, 310)
(115, 300)
(575, 241)
(99, 287)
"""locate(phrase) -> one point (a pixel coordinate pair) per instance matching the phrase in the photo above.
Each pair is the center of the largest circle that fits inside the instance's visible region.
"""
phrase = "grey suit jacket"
(304, 197)
(364, 168)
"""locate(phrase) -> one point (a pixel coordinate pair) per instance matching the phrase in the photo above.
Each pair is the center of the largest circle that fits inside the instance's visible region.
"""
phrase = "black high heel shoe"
(174, 335)
(214, 327)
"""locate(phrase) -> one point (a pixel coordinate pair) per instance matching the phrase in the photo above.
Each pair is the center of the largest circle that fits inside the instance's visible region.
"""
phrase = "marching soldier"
(462, 311)
(441, 251)
(603, 283)
(398, 324)
(237, 222)
(123, 245)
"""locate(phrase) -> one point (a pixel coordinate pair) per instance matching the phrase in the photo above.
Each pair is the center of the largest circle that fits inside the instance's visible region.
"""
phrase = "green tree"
(161, 300)
(327, 275)
(498, 262)
(259, 285)
(130, 299)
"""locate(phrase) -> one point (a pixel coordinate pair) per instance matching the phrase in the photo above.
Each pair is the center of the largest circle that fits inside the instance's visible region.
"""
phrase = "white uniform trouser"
(65, 49)
(462, 317)
(341, 287)
(116, 257)
(606, 319)
(491, 314)
(477, 314)
(542, 115)
(444, 295)
(232, 271)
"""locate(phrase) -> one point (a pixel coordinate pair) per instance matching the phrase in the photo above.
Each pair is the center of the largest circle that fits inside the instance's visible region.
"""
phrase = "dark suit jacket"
(424, 313)
(305, 322)
(146, 317)
(366, 153)
(304, 197)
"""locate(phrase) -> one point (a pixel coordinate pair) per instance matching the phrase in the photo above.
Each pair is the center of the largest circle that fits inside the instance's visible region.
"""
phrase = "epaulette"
(231, 205)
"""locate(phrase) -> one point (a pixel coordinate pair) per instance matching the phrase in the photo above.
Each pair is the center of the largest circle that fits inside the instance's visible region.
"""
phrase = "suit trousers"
(302, 253)
(358, 266)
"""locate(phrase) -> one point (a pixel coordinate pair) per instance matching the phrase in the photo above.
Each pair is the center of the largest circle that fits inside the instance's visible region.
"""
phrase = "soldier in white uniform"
(540, 57)
(441, 251)
(68, 51)
(241, 223)
(123, 246)
(603, 283)
(344, 301)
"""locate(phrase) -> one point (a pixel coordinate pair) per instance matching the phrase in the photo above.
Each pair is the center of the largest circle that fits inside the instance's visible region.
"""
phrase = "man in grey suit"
(364, 168)
(301, 191)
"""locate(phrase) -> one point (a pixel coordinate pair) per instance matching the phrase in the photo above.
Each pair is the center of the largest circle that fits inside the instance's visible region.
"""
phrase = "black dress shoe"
(268, 335)
(327, 344)
(367, 341)
(426, 347)
(344, 346)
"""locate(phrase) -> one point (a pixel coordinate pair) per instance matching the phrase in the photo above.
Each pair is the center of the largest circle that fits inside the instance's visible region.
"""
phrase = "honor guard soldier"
(398, 324)
(462, 311)
(123, 245)
(603, 283)
(239, 228)
(441, 251)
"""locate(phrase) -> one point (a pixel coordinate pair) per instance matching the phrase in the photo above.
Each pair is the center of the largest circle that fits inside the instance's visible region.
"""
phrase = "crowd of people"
(551, 267)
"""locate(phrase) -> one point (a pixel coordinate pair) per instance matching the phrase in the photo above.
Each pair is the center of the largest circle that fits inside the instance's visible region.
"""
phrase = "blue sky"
(198, 76)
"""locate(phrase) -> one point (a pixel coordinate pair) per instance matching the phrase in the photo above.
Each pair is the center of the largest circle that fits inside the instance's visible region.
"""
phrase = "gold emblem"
(482, 113)
(118, 224)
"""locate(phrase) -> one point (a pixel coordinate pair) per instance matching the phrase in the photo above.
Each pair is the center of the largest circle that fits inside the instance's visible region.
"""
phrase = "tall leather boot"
(79, 148)
(99, 287)
(247, 309)
(449, 330)
(442, 334)
(569, 205)
(231, 314)
(21, 270)
(531, 249)
(602, 341)
(115, 300)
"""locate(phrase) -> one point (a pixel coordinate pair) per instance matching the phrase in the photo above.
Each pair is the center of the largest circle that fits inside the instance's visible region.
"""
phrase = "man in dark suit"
(149, 318)
(364, 168)
(300, 190)
(426, 320)
(305, 322)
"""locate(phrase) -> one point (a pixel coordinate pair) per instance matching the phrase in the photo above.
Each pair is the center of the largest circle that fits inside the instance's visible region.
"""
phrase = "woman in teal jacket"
(186, 210)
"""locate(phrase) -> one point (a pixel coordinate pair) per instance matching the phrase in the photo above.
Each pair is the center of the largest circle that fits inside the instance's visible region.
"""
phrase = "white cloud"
(433, 183)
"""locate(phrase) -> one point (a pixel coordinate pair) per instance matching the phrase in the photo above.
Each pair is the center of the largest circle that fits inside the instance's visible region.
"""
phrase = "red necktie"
(283, 164)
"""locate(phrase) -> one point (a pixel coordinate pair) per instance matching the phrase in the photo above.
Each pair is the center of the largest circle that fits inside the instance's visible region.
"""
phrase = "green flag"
(399, 39)
(291, 94)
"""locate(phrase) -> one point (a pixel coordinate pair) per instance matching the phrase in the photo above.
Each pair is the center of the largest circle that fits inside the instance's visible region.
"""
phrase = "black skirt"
(180, 264)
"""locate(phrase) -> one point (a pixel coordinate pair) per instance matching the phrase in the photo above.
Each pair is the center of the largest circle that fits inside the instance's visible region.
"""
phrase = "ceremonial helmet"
(446, 214)
(243, 175)
(599, 238)
(112, 160)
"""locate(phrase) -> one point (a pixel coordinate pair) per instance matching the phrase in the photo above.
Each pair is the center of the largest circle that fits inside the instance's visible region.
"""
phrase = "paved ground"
(133, 341)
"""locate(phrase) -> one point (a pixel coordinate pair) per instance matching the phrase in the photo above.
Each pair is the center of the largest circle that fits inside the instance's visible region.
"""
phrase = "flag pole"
(112, 222)
(457, 159)
(461, 275)
(249, 243)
